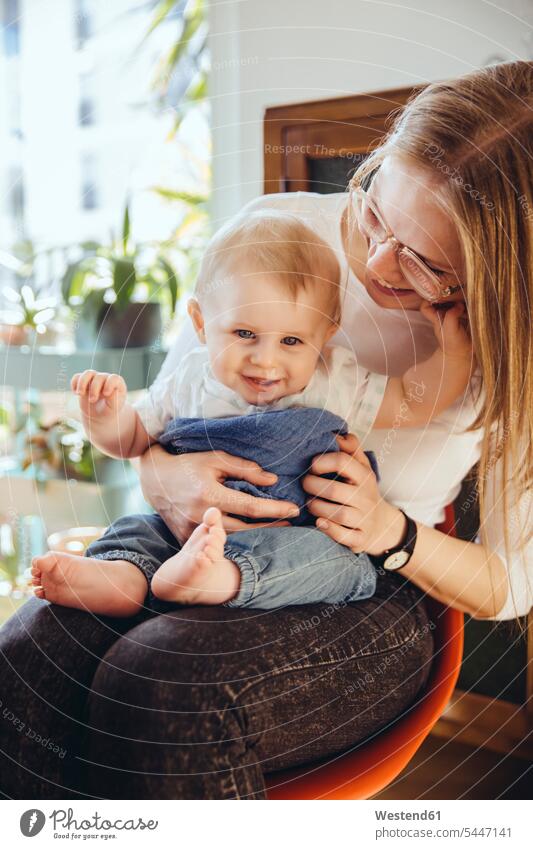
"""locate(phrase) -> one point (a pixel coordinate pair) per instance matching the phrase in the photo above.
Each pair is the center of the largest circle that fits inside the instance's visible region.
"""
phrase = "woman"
(203, 702)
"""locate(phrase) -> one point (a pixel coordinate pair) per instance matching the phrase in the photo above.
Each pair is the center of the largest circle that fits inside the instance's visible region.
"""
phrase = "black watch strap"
(399, 556)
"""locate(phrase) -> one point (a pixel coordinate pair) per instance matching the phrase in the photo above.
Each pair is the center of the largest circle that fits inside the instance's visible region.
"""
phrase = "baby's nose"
(264, 356)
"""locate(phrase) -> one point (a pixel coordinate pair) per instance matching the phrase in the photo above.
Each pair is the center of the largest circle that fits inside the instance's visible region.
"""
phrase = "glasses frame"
(443, 290)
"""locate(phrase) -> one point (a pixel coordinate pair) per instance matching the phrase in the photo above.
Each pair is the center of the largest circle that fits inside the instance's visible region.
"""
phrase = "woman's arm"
(461, 574)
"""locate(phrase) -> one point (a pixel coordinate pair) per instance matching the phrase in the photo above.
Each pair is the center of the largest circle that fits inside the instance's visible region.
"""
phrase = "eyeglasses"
(426, 282)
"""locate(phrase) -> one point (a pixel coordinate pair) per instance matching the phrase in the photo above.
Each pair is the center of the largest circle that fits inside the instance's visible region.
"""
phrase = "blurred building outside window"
(93, 111)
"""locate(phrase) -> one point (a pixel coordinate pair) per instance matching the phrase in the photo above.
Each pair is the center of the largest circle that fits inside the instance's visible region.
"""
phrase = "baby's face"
(262, 343)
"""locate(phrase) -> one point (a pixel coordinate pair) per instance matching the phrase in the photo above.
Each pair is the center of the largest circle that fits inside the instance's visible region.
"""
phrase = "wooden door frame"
(323, 129)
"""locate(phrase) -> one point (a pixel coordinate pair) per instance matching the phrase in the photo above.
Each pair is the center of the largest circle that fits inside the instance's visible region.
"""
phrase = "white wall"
(272, 52)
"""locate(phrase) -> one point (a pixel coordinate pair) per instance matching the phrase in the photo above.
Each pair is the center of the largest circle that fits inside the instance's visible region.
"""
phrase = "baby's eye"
(245, 334)
(291, 340)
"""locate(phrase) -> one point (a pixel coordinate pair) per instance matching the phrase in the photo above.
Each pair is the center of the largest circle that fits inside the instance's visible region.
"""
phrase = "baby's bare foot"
(199, 573)
(108, 587)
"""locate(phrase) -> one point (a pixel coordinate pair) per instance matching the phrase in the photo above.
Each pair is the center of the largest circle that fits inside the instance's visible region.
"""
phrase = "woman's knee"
(171, 663)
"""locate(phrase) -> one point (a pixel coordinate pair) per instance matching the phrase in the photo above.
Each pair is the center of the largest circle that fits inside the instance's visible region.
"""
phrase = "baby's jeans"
(279, 566)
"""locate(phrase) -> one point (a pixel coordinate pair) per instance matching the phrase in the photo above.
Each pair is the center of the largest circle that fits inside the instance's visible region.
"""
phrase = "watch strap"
(399, 556)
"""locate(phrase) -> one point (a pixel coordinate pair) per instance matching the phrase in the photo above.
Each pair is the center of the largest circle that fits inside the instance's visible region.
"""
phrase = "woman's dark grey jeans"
(200, 702)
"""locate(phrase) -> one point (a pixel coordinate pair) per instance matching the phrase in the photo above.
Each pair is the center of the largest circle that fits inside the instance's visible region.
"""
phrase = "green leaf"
(67, 283)
(172, 282)
(162, 10)
(74, 277)
(186, 197)
(126, 228)
(198, 88)
(124, 280)
(90, 246)
(92, 305)
(193, 19)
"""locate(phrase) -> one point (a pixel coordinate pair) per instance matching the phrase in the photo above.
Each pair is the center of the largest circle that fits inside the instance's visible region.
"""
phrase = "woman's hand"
(181, 488)
(352, 511)
(451, 329)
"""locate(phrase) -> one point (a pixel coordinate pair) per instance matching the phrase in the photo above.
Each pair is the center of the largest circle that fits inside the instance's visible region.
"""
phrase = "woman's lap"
(48, 657)
(201, 702)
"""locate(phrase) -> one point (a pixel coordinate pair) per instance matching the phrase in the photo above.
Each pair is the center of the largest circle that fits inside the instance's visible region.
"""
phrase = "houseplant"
(61, 450)
(29, 315)
(116, 292)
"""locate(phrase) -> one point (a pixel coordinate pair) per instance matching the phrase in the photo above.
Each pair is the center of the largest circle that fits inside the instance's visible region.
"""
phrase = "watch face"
(397, 560)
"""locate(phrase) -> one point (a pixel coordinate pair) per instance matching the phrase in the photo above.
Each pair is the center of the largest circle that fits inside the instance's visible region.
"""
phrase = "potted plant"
(116, 292)
(62, 450)
(30, 315)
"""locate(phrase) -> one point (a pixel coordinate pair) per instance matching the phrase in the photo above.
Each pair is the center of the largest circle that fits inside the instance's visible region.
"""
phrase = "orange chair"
(373, 764)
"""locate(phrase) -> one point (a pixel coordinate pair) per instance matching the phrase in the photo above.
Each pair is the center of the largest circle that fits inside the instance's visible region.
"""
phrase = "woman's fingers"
(342, 464)
(342, 514)
(231, 524)
(241, 504)
(238, 467)
(342, 493)
(350, 537)
(351, 445)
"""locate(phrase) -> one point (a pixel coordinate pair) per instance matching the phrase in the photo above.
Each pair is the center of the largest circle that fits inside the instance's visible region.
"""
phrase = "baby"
(267, 302)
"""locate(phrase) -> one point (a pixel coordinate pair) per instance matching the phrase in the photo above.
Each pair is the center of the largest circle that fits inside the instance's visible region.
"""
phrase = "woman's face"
(404, 196)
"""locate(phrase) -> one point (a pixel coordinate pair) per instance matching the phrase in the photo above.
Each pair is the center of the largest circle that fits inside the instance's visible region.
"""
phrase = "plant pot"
(13, 334)
(137, 326)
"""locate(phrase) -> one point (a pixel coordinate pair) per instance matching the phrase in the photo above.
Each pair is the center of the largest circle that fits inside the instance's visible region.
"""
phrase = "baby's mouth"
(260, 383)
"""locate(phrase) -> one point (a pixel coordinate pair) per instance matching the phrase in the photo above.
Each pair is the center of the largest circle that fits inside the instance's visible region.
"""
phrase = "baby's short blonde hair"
(276, 242)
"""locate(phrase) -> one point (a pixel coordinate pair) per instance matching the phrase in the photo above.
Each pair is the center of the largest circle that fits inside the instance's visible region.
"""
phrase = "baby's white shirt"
(339, 384)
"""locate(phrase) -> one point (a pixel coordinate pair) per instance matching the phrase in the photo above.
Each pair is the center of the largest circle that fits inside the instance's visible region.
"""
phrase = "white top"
(338, 384)
(421, 469)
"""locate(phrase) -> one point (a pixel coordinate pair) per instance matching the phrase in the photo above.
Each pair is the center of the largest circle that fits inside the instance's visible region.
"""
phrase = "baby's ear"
(195, 313)
(331, 331)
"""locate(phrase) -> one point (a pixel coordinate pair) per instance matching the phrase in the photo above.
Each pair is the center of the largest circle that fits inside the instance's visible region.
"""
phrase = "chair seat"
(372, 764)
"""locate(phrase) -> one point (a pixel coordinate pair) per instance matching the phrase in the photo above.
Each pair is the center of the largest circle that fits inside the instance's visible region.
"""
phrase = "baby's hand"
(452, 333)
(101, 394)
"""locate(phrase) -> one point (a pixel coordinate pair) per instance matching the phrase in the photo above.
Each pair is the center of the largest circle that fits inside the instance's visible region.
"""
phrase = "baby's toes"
(38, 592)
(217, 536)
(213, 552)
(202, 559)
(213, 517)
(45, 562)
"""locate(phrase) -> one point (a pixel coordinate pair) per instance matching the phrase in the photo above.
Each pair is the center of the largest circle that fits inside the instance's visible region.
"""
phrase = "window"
(89, 183)
(87, 104)
(13, 101)
(11, 27)
(16, 193)
(83, 21)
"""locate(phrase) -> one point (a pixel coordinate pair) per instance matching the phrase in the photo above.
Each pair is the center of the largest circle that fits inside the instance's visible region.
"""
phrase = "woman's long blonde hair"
(475, 135)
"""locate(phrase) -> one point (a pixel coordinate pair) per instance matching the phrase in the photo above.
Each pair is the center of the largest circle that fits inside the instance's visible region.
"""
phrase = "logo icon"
(32, 822)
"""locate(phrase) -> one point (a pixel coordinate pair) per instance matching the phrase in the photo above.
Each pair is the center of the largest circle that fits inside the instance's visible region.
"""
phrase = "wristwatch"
(395, 558)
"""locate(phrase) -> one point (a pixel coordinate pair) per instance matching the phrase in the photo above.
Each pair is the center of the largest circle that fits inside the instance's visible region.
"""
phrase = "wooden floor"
(447, 770)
